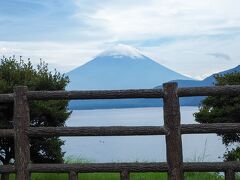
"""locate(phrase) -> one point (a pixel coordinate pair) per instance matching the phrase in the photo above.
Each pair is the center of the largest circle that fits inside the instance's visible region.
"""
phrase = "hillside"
(209, 81)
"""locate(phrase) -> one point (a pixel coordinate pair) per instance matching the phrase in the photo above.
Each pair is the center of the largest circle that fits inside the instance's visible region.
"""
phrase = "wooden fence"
(172, 130)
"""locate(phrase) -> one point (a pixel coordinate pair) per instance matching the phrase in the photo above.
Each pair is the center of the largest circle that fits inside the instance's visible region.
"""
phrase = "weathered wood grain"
(97, 131)
(128, 130)
(6, 132)
(125, 175)
(209, 91)
(230, 175)
(73, 175)
(134, 167)
(6, 98)
(134, 93)
(96, 94)
(7, 169)
(21, 140)
(99, 167)
(211, 166)
(130, 93)
(210, 128)
(173, 137)
(131, 167)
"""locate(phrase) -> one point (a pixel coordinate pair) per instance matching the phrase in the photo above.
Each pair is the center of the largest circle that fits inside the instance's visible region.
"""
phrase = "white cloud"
(190, 57)
(177, 33)
(63, 56)
(160, 18)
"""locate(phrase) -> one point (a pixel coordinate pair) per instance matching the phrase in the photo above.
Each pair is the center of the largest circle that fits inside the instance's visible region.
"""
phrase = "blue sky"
(195, 38)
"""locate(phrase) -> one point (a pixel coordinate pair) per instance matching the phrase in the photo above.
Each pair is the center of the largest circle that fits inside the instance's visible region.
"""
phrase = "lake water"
(207, 147)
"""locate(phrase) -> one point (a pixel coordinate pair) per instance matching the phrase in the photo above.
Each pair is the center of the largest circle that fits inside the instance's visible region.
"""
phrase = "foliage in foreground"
(42, 113)
(223, 109)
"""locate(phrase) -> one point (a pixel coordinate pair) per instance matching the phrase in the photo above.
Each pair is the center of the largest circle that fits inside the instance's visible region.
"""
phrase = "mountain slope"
(209, 81)
(121, 67)
(124, 67)
(131, 103)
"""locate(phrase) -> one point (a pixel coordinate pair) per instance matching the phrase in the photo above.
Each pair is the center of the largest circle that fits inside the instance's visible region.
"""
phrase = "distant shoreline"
(114, 108)
(127, 103)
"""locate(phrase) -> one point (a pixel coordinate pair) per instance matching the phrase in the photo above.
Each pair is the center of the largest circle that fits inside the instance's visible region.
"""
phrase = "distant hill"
(209, 81)
(121, 67)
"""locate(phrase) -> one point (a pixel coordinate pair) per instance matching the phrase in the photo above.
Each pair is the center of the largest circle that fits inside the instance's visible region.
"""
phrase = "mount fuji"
(124, 67)
(121, 67)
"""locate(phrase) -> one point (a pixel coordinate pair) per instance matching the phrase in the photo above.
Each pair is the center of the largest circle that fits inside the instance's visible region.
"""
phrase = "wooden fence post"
(73, 175)
(124, 175)
(21, 140)
(230, 175)
(173, 138)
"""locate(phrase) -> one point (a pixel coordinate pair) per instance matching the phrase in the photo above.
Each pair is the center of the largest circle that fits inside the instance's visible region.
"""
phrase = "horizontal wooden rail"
(135, 167)
(133, 93)
(125, 130)
(133, 130)
(211, 166)
(99, 167)
(7, 169)
(125, 94)
(98, 131)
(130, 167)
(210, 128)
(6, 132)
(96, 94)
(6, 98)
(209, 91)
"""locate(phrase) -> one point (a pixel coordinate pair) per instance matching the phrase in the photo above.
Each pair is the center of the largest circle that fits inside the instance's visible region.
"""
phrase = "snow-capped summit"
(121, 50)
(121, 67)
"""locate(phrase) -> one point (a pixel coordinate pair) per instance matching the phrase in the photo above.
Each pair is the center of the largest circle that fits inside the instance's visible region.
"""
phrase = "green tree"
(42, 113)
(223, 109)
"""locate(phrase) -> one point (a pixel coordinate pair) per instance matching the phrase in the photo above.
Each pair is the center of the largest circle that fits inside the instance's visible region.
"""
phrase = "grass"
(115, 176)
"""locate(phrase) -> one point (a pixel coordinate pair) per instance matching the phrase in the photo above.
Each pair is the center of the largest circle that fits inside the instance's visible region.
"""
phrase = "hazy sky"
(193, 37)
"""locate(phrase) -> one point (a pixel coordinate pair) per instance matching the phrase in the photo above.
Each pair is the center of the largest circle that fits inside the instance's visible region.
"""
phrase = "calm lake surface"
(207, 147)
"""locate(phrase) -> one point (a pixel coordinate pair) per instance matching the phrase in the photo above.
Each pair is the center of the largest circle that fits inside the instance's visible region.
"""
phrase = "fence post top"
(170, 84)
(20, 87)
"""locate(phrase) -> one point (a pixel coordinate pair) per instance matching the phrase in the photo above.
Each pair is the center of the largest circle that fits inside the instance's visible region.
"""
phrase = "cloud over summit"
(177, 33)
